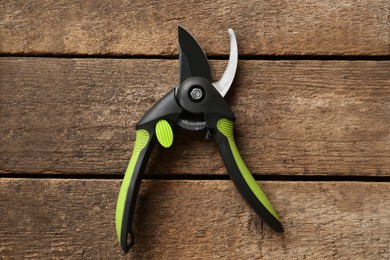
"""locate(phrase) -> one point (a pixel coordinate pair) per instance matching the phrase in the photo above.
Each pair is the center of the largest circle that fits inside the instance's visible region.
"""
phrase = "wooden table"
(312, 99)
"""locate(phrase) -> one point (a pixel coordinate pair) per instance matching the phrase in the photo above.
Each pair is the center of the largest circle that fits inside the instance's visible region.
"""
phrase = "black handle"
(154, 125)
(144, 142)
(242, 177)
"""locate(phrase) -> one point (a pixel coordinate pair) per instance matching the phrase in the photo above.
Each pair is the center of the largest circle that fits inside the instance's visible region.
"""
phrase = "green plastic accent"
(225, 126)
(164, 133)
(141, 139)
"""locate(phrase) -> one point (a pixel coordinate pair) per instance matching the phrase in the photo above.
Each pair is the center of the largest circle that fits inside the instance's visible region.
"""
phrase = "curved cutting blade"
(227, 78)
(192, 60)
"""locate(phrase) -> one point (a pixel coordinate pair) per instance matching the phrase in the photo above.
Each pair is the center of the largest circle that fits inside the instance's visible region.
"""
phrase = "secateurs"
(196, 103)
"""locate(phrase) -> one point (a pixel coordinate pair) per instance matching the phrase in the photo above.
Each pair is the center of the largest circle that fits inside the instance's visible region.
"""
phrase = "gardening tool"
(196, 103)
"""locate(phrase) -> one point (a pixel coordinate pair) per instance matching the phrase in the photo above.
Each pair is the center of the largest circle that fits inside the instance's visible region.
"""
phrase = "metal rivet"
(196, 93)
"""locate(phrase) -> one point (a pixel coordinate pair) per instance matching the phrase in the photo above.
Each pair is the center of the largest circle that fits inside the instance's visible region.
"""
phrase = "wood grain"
(293, 117)
(73, 219)
(319, 27)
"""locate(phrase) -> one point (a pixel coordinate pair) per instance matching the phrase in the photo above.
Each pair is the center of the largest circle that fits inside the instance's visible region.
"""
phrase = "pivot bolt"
(196, 94)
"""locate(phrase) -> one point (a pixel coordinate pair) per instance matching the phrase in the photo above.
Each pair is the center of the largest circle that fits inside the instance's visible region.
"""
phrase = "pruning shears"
(196, 103)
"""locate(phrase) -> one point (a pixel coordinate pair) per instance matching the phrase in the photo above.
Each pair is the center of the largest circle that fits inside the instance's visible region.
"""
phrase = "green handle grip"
(154, 125)
(242, 177)
(125, 206)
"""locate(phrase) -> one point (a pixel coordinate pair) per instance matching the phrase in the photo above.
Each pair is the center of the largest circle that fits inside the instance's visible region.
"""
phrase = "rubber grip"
(242, 177)
(127, 198)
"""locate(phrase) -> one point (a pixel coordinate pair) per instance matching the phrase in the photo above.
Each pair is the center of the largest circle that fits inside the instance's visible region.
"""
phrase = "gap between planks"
(204, 177)
(210, 57)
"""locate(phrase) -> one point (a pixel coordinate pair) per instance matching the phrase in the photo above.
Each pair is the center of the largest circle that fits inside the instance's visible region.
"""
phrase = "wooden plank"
(194, 219)
(293, 117)
(319, 27)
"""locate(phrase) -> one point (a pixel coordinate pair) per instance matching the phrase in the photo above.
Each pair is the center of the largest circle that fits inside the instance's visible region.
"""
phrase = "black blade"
(193, 61)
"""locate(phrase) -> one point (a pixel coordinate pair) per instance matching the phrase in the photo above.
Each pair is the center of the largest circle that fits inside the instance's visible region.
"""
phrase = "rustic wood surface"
(293, 117)
(312, 99)
(319, 27)
(194, 219)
